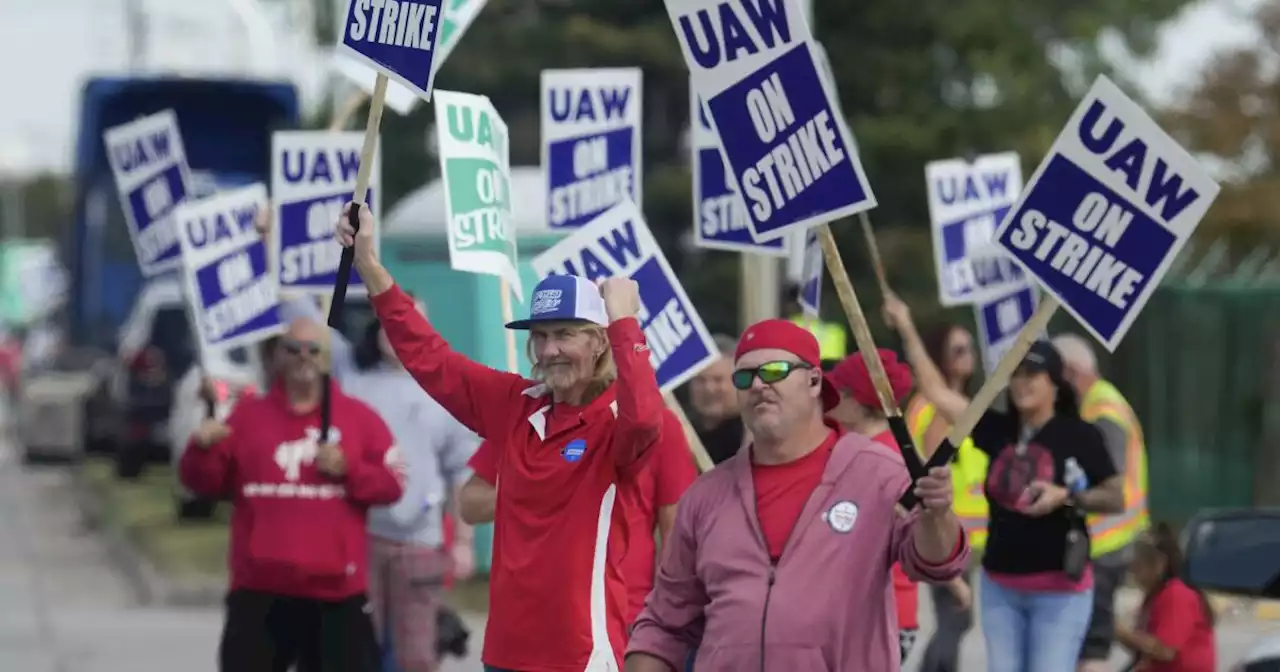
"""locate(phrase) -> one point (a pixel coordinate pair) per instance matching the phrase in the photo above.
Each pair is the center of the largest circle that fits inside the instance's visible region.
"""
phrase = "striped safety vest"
(831, 336)
(968, 474)
(1112, 533)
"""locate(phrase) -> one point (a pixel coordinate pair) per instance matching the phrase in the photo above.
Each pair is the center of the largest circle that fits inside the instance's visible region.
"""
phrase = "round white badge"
(842, 515)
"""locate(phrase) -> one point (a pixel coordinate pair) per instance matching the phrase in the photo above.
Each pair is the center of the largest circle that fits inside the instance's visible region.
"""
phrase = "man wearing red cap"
(780, 557)
(859, 412)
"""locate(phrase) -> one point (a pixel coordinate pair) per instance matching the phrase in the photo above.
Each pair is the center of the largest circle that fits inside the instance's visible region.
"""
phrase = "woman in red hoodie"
(298, 543)
(859, 412)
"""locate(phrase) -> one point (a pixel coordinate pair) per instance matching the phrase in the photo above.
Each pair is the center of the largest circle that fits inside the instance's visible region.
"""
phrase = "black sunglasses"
(769, 373)
(295, 347)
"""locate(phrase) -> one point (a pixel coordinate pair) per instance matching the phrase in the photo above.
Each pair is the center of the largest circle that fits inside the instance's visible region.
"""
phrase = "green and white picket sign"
(476, 169)
(458, 15)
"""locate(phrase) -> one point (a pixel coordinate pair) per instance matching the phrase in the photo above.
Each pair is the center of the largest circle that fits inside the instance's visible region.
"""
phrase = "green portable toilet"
(466, 308)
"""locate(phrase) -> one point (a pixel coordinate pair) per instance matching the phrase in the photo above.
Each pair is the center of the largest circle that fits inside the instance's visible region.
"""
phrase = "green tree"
(1232, 116)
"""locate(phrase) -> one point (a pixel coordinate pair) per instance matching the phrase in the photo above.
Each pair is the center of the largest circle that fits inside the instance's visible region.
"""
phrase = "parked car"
(155, 347)
(231, 375)
(1238, 553)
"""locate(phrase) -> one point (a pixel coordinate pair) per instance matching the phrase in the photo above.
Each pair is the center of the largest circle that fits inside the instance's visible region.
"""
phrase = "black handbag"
(451, 633)
(1075, 556)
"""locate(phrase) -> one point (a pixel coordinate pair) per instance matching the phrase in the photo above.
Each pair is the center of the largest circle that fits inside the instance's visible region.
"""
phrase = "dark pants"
(270, 633)
(1108, 574)
(942, 654)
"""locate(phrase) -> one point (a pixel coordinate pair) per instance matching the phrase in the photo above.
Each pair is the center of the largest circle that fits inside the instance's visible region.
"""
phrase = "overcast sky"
(51, 46)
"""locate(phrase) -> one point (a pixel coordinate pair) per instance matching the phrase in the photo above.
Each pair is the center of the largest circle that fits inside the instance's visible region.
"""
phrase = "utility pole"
(135, 35)
(761, 276)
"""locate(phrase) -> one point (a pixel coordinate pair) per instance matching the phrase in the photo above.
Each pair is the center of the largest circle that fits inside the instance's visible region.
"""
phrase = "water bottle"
(1074, 477)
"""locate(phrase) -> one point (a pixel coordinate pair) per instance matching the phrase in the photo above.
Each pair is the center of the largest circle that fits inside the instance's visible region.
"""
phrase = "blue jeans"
(1032, 631)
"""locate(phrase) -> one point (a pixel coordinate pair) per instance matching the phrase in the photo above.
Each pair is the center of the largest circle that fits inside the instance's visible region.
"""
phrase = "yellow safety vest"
(968, 474)
(831, 336)
(1112, 533)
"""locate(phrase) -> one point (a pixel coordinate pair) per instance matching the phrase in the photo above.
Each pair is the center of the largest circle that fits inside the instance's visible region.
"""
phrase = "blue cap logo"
(564, 298)
(574, 450)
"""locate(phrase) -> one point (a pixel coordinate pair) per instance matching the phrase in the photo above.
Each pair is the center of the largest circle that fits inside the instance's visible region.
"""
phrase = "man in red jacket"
(651, 507)
(298, 543)
(572, 440)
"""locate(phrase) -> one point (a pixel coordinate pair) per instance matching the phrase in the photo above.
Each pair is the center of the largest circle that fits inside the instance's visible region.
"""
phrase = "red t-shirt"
(905, 591)
(782, 490)
(664, 479)
(1177, 618)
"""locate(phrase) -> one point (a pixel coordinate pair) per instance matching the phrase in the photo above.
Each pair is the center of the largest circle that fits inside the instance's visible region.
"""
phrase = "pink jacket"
(826, 607)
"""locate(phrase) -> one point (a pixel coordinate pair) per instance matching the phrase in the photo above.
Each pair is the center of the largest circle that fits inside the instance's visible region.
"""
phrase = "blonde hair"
(601, 377)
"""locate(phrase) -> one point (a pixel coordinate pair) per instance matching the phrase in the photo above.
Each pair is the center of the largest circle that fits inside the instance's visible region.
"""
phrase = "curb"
(149, 584)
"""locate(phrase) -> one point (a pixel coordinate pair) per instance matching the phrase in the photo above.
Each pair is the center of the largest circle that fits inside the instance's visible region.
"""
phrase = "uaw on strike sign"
(591, 144)
(1107, 211)
(967, 201)
(150, 167)
(719, 222)
(790, 155)
(313, 175)
(619, 244)
(230, 288)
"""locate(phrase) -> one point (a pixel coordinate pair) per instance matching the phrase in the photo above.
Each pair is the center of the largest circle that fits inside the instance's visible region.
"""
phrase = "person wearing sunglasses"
(780, 557)
(859, 412)
(299, 550)
(573, 440)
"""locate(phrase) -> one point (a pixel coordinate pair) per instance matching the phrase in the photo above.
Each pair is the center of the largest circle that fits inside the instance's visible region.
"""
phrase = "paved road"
(62, 609)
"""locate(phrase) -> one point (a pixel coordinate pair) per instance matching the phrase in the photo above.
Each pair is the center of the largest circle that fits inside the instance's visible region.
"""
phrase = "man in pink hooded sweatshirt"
(780, 558)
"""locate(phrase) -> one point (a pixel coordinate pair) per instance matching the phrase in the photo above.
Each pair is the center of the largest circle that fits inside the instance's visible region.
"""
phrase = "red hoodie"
(294, 530)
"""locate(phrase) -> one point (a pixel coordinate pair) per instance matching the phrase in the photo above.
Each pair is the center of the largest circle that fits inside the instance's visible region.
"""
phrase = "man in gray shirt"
(1106, 408)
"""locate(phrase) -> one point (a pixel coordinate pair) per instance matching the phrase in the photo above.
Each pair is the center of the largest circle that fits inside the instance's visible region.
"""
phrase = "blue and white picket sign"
(150, 166)
(396, 37)
(313, 175)
(810, 294)
(618, 243)
(719, 222)
(1107, 212)
(967, 201)
(755, 64)
(591, 143)
(233, 295)
(1000, 320)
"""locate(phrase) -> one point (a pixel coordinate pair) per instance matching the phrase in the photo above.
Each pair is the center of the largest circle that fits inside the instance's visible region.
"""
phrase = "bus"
(226, 127)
